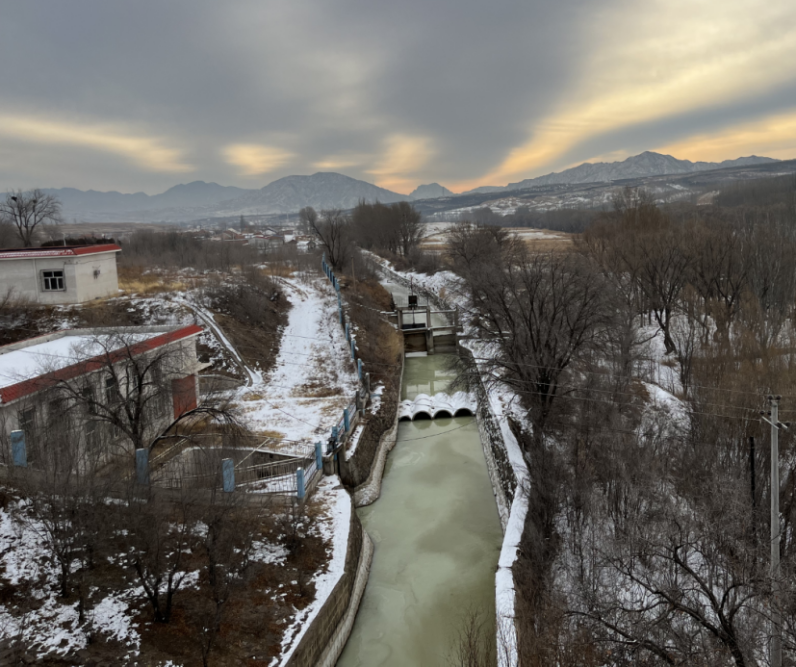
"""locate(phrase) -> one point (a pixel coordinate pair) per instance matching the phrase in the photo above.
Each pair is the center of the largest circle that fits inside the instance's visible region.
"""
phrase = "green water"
(437, 539)
(426, 375)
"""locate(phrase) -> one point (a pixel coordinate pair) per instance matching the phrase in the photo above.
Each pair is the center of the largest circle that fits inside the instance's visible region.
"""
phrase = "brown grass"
(281, 270)
(133, 280)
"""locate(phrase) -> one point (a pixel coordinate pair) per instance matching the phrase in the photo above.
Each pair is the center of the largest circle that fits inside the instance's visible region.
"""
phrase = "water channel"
(437, 538)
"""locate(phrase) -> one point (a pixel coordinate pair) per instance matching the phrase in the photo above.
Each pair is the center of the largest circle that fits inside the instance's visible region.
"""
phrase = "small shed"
(56, 275)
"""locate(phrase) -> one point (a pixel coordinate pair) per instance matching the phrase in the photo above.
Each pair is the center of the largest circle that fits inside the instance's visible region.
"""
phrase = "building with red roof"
(60, 274)
(95, 391)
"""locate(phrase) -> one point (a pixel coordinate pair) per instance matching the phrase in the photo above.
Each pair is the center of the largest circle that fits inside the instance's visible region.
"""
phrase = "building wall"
(183, 366)
(91, 286)
(24, 277)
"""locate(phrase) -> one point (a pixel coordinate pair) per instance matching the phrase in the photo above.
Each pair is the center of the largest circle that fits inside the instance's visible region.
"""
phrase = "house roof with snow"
(41, 362)
(57, 251)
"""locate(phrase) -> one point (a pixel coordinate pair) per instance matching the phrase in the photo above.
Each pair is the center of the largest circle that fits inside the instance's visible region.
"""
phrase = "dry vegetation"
(253, 566)
(647, 536)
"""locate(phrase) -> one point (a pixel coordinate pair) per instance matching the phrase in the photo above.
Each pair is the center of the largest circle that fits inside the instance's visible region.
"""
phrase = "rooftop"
(35, 363)
(57, 251)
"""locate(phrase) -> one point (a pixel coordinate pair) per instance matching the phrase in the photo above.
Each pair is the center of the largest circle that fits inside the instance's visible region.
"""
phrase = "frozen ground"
(313, 377)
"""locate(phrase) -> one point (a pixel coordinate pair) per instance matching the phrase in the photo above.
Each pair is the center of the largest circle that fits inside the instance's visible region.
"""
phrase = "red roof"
(47, 380)
(58, 251)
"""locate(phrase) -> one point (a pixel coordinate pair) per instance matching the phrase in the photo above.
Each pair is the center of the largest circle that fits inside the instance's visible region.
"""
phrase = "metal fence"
(280, 477)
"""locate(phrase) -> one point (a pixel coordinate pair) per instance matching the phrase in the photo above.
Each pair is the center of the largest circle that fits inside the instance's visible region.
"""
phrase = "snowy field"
(437, 234)
(294, 405)
(313, 378)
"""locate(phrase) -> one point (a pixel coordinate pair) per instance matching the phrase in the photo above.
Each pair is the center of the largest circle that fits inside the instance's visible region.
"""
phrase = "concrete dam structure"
(423, 406)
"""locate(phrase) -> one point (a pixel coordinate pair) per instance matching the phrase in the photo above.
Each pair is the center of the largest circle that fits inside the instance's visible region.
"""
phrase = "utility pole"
(776, 614)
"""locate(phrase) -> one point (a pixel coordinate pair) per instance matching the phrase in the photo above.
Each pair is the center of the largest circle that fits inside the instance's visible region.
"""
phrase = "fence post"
(319, 456)
(359, 369)
(334, 438)
(300, 490)
(346, 422)
(19, 453)
(367, 383)
(353, 350)
(228, 473)
(340, 310)
(142, 466)
(347, 332)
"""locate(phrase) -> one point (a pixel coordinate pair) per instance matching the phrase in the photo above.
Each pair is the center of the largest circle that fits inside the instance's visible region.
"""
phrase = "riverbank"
(507, 467)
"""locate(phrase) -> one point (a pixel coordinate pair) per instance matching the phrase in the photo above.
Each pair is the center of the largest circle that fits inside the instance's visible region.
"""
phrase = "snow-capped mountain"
(637, 166)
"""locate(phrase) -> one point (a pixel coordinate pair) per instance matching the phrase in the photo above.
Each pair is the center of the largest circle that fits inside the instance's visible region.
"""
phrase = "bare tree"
(226, 541)
(130, 393)
(542, 312)
(307, 219)
(158, 537)
(28, 211)
(333, 231)
(473, 248)
(409, 226)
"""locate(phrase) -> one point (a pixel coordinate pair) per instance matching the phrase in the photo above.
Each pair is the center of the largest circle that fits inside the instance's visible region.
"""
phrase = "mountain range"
(644, 164)
(199, 200)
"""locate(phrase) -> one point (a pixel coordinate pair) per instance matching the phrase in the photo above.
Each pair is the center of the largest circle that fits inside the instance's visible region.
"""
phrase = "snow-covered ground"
(334, 525)
(53, 629)
(313, 378)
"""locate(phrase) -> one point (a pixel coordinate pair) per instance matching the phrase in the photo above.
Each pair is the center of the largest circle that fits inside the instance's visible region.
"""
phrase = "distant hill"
(79, 202)
(484, 189)
(202, 200)
(637, 166)
(321, 190)
(430, 191)
(199, 200)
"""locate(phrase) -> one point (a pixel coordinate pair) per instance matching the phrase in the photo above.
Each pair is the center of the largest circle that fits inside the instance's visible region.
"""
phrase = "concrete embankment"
(508, 475)
(325, 638)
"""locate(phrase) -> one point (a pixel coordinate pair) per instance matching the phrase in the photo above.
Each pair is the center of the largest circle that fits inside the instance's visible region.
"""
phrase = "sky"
(140, 95)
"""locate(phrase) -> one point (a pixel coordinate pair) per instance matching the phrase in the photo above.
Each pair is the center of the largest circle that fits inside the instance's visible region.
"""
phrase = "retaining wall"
(357, 469)
(324, 639)
(504, 481)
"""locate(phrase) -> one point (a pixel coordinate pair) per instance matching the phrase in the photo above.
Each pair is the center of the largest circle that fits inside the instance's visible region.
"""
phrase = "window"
(89, 404)
(111, 390)
(53, 281)
(27, 421)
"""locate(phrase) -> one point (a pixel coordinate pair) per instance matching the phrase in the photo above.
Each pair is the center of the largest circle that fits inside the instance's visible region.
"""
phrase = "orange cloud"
(150, 153)
(648, 62)
(256, 159)
(403, 156)
(773, 136)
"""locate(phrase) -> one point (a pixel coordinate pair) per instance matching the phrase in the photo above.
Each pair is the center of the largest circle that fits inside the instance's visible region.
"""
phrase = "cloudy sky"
(142, 94)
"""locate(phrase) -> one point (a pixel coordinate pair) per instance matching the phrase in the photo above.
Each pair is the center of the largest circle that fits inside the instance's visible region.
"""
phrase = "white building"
(75, 389)
(65, 274)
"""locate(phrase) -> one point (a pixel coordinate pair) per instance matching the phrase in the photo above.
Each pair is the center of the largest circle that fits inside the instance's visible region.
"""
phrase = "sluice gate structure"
(424, 329)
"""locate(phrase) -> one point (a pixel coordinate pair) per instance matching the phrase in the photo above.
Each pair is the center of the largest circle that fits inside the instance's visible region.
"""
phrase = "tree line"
(392, 230)
(647, 537)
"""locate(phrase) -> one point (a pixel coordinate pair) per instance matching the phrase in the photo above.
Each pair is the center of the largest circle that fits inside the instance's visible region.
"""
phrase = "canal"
(437, 538)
